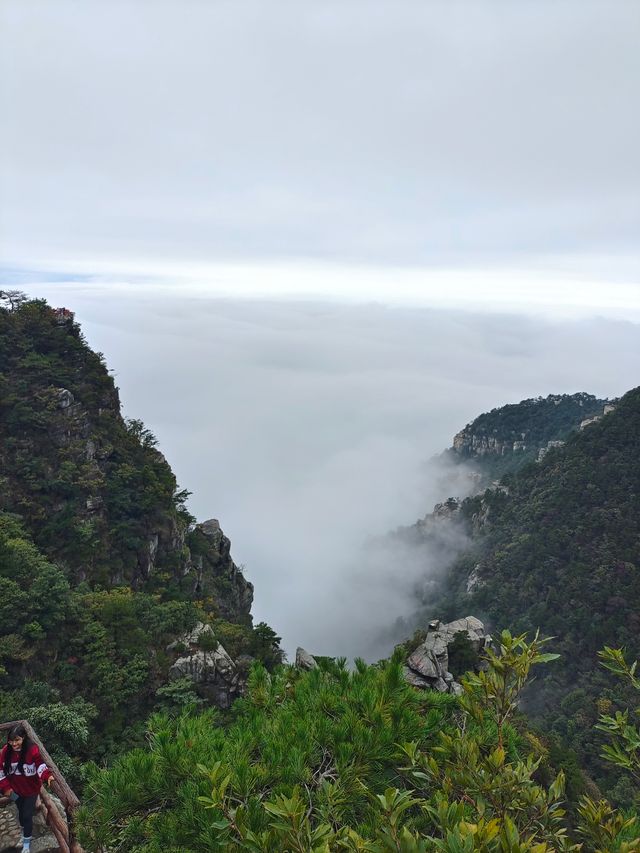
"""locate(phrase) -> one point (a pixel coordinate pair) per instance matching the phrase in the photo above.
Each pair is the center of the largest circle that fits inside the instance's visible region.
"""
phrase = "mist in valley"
(315, 240)
(307, 428)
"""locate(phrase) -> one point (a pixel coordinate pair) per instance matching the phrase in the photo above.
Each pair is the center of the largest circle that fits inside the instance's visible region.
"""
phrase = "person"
(22, 772)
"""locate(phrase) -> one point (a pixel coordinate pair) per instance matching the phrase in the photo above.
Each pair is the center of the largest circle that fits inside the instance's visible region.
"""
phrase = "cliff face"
(506, 438)
(215, 575)
(96, 495)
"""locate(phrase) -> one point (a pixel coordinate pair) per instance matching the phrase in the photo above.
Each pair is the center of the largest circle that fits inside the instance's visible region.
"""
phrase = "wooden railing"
(63, 831)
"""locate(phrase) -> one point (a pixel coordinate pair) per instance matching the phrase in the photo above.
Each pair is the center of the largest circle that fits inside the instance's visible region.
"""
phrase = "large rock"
(212, 670)
(215, 574)
(472, 627)
(304, 660)
(416, 680)
(428, 665)
(204, 667)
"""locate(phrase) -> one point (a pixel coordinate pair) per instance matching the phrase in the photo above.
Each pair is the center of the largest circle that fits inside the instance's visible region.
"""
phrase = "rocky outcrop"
(440, 521)
(304, 660)
(468, 443)
(474, 581)
(549, 446)
(427, 667)
(205, 661)
(214, 573)
(607, 408)
(504, 438)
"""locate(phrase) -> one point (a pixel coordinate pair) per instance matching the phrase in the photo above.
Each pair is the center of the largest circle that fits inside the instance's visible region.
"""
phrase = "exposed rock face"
(304, 660)
(608, 407)
(448, 510)
(441, 522)
(474, 581)
(428, 666)
(588, 421)
(467, 443)
(214, 572)
(550, 444)
(505, 437)
(212, 670)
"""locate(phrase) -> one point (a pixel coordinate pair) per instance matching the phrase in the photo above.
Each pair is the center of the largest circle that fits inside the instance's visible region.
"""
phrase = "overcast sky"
(314, 239)
(405, 133)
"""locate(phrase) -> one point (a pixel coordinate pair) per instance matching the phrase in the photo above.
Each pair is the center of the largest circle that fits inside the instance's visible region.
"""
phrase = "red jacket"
(29, 782)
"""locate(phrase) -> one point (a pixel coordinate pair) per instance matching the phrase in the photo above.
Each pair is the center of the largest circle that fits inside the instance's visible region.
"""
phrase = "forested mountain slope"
(102, 568)
(91, 488)
(508, 437)
(557, 547)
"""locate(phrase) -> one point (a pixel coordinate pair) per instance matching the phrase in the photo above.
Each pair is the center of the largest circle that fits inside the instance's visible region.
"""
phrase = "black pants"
(26, 809)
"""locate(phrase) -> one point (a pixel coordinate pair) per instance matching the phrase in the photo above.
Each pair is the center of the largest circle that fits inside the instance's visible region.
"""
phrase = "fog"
(304, 427)
(315, 239)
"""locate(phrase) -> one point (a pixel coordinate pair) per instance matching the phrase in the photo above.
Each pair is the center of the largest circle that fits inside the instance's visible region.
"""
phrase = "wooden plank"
(62, 842)
(53, 815)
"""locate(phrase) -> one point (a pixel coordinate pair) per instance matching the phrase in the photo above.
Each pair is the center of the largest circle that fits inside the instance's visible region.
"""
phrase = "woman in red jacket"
(22, 772)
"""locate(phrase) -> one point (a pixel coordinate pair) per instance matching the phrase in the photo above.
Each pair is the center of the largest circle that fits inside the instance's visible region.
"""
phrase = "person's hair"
(17, 731)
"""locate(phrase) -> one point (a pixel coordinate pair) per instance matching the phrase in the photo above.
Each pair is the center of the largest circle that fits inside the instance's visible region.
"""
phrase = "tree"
(12, 299)
(140, 432)
(265, 645)
(330, 760)
(604, 828)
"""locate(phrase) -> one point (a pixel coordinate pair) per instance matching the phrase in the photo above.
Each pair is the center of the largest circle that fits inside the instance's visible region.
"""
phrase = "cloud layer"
(304, 427)
(477, 159)
(397, 132)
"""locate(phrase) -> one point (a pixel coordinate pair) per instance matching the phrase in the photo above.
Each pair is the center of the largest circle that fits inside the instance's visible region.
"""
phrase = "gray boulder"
(204, 667)
(415, 679)
(213, 672)
(304, 660)
(428, 666)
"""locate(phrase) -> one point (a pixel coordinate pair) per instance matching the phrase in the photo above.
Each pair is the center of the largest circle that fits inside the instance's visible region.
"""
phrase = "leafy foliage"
(558, 550)
(96, 574)
(333, 760)
(531, 423)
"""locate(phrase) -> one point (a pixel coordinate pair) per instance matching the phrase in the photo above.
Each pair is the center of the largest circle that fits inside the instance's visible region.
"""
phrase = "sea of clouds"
(304, 427)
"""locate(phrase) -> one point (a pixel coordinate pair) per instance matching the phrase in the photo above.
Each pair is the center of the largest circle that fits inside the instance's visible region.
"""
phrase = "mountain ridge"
(554, 544)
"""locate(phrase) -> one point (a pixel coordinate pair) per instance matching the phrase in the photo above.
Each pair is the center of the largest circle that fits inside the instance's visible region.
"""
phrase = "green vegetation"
(100, 653)
(559, 550)
(533, 422)
(89, 487)
(103, 570)
(333, 760)
(101, 567)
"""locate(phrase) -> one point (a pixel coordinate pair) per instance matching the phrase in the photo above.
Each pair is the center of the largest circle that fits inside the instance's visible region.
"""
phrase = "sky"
(314, 239)
(367, 131)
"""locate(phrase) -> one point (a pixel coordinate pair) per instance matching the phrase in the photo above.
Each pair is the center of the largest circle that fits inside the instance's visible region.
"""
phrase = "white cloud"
(388, 131)
(303, 426)
(554, 293)
(315, 239)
